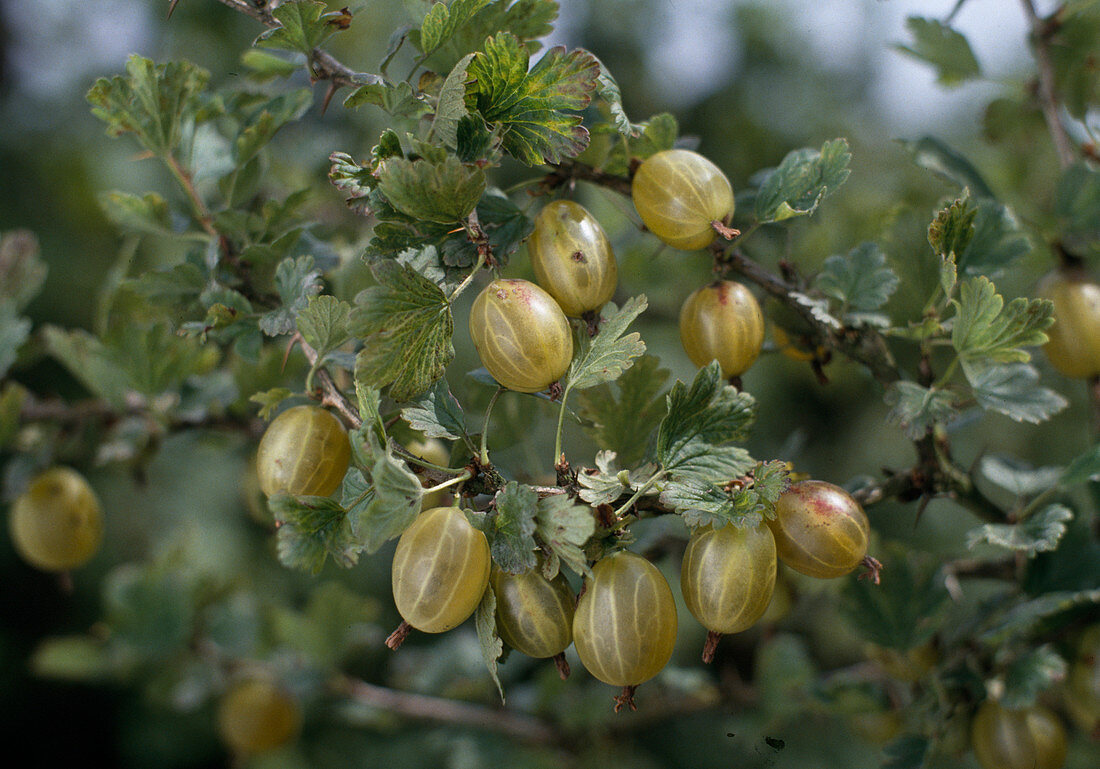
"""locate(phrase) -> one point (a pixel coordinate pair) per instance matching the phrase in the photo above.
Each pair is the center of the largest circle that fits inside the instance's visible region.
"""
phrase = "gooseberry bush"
(439, 363)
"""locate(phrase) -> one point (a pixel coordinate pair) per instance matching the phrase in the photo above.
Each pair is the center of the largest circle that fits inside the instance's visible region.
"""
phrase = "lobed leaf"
(609, 353)
(997, 241)
(485, 620)
(304, 25)
(437, 414)
(439, 192)
(701, 420)
(802, 181)
(605, 483)
(1013, 390)
(1018, 477)
(312, 528)
(442, 21)
(944, 48)
(860, 280)
(323, 323)
(938, 157)
(916, 409)
(296, 280)
(1032, 674)
(564, 527)
(451, 109)
(1039, 533)
(953, 228)
(987, 331)
(654, 135)
(393, 503)
(512, 527)
(1025, 616)
(146, 214)
(621, 417)
(533, 108)
(406, 327)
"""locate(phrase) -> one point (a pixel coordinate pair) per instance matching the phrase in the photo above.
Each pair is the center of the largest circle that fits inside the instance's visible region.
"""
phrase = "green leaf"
(997, 242)
(150, 610)
(985, 330)
(12, 397)
(146, 214)
(512, 527)
(442, 21)
(944, 48)
(439, 192)
(406, 327)
(437, 414)
(296, 280)
(1085, 467)
(786, 673)
(304, 25)
(485, 620)
(953, 228)
(397, 99)
(655, 135)
(528, 20)
(335, 621)
(451, 107)
(1038, 533)
(1013, 390)
(705, 504)
(1032, 674)
(22, 271)
(906, 609)
(312, 528)
(266, 120)
(89, 360)
(14, 331)
(605, 483)
(1024, 617)
(394, 505)
(533, 108)
(1018, 477)
(266, 66)
(608, 90)
(1077, 206)
(269, 400)
(153, 103)
(916, 409)
(860, 280)
(942, 160)
(909, 751)
(1074, 51)
(609, 353)
(563, 527)
(323, 323)
(72, 658)
(621, 416)
(701, 420)
(804, 178)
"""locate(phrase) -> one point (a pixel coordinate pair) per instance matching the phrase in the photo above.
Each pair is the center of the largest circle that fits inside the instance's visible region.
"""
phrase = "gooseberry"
(1017, 739)
(534, 614)
(680, 194)
(727, 576)
(1074, 339)
(521, 335)
(304, 451)
(624, 628)
(572, 258)
(722, 321)
(440, 570)
(257, 715)
(57, 524)
(820, 530)
(435, 451)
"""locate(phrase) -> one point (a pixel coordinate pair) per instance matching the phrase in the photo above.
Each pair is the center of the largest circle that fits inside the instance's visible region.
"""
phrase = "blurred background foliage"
(188, 546)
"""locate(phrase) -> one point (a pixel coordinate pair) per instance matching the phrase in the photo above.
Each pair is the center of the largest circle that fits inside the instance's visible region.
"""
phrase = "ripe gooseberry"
(257, 715)
(572, 258)
(57, 524)
(1017, 739)
(521, 335)
(1074, 339)
(534, 614)
(625, 625)
(722, 321)
(727, 577)
(680, 194)
(304, 451)
(820, 530)
(440, 570)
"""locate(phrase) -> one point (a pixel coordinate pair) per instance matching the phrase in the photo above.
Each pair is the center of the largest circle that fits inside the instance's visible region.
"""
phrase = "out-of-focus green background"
(749, 81)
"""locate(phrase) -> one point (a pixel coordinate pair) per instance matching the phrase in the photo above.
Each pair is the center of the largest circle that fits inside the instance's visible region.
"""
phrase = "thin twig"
(1041, 31)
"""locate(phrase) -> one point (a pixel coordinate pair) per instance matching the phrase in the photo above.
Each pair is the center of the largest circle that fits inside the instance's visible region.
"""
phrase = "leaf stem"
(637, 494)
(561, 421)
(202, 214)
(469, 278)
(465, 476)
(484, 456)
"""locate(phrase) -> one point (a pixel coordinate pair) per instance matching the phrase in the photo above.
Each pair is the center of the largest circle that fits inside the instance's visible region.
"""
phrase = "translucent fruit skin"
(57, 523)
(305, 450)
(678, 193)
(256, 716)
(521, 335)
(572, 258)
(722, 321)
(624, 629)
(534, 614)
(440, 570)
(820, 530)
(1017, 739)
(1074, 346)
(728, 575)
